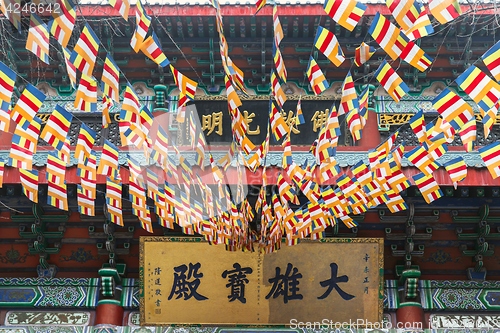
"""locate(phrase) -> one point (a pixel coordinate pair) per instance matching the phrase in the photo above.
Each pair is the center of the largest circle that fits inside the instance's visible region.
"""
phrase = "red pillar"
(109, 313)
(371, 136)
(410, 316)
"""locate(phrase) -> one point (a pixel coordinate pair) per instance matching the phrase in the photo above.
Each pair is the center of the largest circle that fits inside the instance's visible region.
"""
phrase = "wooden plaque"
(187, 281)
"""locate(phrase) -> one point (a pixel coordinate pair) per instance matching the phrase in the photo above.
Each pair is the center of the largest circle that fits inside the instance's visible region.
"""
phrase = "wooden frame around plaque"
(169, 297)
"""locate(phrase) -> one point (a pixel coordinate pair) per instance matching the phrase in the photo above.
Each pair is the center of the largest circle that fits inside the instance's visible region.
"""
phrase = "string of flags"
(225, 217)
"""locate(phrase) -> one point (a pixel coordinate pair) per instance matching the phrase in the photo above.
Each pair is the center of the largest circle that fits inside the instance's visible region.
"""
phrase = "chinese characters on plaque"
(193, 282)
(216, 123)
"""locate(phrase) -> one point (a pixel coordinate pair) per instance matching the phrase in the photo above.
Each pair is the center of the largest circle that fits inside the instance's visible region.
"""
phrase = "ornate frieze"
(62, 318)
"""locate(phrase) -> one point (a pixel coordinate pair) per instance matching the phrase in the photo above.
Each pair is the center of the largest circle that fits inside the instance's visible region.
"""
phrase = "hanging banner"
(187, 281)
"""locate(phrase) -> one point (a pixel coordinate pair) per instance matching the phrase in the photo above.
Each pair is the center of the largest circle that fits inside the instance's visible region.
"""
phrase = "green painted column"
(410, 313)
(109, 309)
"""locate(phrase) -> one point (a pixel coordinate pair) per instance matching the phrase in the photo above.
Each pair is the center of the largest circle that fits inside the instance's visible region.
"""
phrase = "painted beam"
(246, 10)
(478, 175)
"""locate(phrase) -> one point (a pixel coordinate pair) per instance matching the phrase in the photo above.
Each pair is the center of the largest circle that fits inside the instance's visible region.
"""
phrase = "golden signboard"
(187, 281)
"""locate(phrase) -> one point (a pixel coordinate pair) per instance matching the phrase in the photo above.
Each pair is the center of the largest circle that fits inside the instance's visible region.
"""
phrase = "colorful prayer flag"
(278, 30)
(109, 159)
(122, 6)
(85, 142)
(29, 181)
(406, 12)
(85, 52)
(388, 36)
(428, 187)
(57, 196)
(347, 13)
(2, 170)
(259, 4)
(421, 28)
(86, 205)
(110, 79)
(391, 81)
(70, 67)
(24, 144)
(27, 105)
(396, 203)
(417, 124)
(363, 53)
(299, 117)
(416, 57)
(363, 106)
(422, 160)
(233, 100)
(445, 10)
(107, 102)
(7, 82)
(278, 93)
(63, 21)
(489, 119)
(114, 202)
(38, 38)
(278, 125)
(279, 63)
(187, 87)
(491, 59)
(457, 169)
(490, 155)
(354, 123)
(5, 119)
(328, 44)
(86, 95)
(12, 10)
(480, 87)
(453, 108)
(316, 77)
(131, 104)
(468, 134)
(151, 47)
(142, 22)
(57, 127)
(55, 168)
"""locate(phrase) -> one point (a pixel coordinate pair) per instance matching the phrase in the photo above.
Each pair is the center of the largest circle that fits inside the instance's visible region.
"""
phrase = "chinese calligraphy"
(319, 119)
(183, 286)
(366, 270)
(286, 285)
(249, 118)
(290, 120)
(187, 280)
(332, 283)
(211, 121)
(157, 282)
(237, 281)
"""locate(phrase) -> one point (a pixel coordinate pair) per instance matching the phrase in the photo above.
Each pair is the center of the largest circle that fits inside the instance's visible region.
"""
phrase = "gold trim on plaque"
(314, 260)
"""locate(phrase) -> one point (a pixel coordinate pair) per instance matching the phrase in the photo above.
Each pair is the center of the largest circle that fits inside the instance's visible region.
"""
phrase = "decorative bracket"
(111, 279)
(109, 245)
(40, 236)
(408, 279)
(409, 236)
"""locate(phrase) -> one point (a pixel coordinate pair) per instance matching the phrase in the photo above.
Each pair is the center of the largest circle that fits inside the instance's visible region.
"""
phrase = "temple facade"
(64, 271)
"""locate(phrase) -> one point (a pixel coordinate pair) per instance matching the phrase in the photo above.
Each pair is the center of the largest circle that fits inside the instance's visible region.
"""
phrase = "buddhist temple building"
(300, 138)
